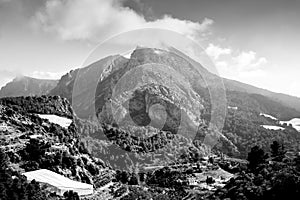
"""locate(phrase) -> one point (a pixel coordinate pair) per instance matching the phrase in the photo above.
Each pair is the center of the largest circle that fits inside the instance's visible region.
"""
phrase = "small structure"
(58, 183)
(192, 181)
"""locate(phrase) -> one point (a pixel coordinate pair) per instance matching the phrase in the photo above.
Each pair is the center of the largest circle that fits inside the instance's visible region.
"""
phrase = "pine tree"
(3, 160)
(256, 157)
(277, 151)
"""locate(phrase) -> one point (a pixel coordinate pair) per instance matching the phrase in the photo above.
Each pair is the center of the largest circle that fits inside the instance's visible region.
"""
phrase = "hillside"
(39, 137)
(27, 86)
(284, 99)
(32, 142)
(32, 138)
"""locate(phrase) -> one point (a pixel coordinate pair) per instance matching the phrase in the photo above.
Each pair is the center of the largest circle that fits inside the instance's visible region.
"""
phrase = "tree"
(35, 149)
(3, 160)
(124, 177)
(71, 195)
(297, 162)
(3, 194)
(17, 187)
(211, 160)
(143, 176)
(256, 157)
(209, 180)
(277, 151)
(133, 180)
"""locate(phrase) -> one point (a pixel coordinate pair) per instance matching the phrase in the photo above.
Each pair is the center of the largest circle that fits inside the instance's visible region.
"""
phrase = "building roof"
(56, 180)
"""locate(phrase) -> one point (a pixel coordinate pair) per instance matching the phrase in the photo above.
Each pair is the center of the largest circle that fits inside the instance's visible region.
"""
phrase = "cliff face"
(79, 86)
(27, 86)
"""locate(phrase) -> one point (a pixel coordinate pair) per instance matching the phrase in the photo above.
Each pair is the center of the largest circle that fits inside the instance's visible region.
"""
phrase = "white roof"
(271, 127)
(57, 180)
(268, 116)
(294, 122)
(61, 121)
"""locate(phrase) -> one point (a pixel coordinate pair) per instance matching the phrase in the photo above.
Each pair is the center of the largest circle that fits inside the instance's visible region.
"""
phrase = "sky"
(255, 42)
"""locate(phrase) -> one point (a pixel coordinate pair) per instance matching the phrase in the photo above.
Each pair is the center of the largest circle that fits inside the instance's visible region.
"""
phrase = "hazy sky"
(253, 41)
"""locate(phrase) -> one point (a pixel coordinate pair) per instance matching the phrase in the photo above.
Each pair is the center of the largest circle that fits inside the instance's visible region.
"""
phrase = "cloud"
(238, 65)
(46, 75)
(249, 61)
(96, 20)
(216, 51)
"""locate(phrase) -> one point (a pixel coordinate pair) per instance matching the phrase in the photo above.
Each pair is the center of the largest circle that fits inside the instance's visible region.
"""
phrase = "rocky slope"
(79, 85)
(27, 86)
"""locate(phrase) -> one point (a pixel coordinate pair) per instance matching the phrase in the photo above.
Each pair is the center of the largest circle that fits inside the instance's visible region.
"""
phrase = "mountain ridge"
(27, 86)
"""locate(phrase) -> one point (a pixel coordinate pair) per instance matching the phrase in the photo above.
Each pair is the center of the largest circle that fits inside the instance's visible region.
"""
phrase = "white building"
(58, 183)
(192, 181)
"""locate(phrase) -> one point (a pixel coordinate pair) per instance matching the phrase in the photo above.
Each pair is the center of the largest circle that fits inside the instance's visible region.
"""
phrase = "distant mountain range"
(27, 86)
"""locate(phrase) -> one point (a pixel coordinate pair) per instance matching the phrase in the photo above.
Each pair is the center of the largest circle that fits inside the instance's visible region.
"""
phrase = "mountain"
(141, 93)
(168, 91)
(284, 99)
(27, 86)
(95, 81)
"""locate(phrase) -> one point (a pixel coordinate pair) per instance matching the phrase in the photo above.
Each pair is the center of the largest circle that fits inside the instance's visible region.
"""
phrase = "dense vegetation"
(133, 143)
(39, 105)
(266, 177)
(33, 143)
(242, 127)
(15, 186)
(273, 177)
(272, 173)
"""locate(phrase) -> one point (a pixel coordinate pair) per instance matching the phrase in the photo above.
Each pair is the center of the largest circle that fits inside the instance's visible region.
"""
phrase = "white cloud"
(244, 65)
(216, 51)
(98, 19)
(261, 61)
(249, 60)
(245, 58)
(46, 75)
(222, 64)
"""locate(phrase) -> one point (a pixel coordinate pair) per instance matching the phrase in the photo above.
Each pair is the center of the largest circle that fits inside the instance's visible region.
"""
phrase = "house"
(58, 183)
